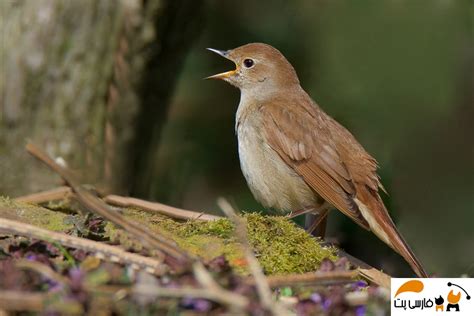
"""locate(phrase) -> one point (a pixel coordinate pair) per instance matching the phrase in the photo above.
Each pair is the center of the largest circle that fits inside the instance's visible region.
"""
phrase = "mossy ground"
(279, 244)
(33, 214)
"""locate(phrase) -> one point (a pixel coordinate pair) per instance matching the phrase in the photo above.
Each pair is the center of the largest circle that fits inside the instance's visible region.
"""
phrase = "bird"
(297, 158)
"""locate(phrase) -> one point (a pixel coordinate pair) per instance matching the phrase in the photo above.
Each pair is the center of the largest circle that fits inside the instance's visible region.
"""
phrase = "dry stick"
(193, 292)
(310, 278)
(22, 301)
(375, 276)
(220, 294)
(42, 269)
(175, 257)
(62, 192)
(110, 253)
(45, 196)
(158, 207)
(261, 284)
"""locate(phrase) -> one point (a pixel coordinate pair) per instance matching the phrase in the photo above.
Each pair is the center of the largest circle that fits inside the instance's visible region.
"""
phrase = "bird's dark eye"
(248, 63)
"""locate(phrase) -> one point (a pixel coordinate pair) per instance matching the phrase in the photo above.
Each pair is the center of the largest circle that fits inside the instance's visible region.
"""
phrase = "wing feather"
(334, 165)
(309, 149)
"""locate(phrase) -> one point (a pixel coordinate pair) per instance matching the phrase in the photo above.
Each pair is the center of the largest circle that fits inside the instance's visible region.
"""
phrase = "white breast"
(271, 181)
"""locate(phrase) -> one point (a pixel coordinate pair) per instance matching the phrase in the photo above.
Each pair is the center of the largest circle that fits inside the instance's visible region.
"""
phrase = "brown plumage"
(293, 154)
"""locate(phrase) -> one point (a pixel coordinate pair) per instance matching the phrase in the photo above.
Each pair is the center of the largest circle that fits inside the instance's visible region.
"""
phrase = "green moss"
(279, 244)
(119, 236)
(220, 228)
(33, 214)
(283, 247)
(65, 206)
(204, 239)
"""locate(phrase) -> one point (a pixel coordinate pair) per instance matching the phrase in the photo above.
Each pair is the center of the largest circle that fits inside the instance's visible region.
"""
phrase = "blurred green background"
(397, 74)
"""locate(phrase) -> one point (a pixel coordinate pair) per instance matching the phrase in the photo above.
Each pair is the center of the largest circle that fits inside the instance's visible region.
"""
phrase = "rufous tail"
(372, 208)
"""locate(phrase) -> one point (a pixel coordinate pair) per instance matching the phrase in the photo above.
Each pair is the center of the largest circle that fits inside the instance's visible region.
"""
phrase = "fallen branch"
(173, 255)
(63, 192)
(311, 278)
(107, 252)
(22, 301)
(167, 210)
(45, 196)
(214, 296)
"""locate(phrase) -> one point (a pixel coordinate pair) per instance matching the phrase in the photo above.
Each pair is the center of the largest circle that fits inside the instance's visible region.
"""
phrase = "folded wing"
(334, 165)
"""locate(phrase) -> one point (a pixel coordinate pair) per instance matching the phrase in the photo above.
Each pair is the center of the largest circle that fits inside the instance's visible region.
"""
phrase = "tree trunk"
(76, 80)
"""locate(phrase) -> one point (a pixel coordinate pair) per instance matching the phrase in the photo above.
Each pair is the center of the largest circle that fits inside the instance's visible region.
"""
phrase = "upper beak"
(223, 75)
(223, 53)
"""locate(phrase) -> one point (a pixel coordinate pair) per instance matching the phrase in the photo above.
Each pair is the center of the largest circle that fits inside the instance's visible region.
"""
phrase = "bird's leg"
(315, 219)
(305, 210)
(315, 224)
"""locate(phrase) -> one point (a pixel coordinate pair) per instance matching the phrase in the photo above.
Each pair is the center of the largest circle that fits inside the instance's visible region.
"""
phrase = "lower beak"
(223, 75)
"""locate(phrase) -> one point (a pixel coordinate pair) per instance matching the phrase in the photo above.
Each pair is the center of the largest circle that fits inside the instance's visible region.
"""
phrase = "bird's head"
(259, 68)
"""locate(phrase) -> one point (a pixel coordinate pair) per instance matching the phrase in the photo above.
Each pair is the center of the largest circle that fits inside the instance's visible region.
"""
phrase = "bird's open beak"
(223, 75)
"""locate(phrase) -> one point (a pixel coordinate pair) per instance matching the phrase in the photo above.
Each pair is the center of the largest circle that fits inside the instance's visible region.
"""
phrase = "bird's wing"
(334, 165)
(302, 138)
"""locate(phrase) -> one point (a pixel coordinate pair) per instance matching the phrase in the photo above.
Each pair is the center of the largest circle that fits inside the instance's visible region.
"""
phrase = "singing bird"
(296, 157)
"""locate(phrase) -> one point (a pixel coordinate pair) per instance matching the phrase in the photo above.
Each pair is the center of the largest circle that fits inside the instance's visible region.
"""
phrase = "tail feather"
(374, 211)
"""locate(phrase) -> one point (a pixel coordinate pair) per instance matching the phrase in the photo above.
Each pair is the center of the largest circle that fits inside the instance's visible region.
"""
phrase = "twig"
(121, 201)
(107, 252)
(158, 207)
(375, 276)
(263, 289)
(21, 301)
(311, 278)
(175, 256)
(45, 196)
(191, 292)
(224, 296)
(43, 269)
(204, 277)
